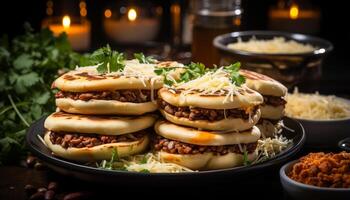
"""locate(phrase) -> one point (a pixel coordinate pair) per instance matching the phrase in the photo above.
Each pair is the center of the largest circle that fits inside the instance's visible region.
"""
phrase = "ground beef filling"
(77, 140)
(176, 147)
(193, 113)
(274, 101)
(134, 96)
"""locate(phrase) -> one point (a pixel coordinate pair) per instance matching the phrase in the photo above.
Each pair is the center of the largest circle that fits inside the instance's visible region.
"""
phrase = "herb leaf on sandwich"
(107, 60)
(143, 59)
(196, 70)
(236, 78)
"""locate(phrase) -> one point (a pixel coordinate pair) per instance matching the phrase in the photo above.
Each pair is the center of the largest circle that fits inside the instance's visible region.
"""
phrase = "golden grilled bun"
(100, 152)
(104, 107)
(206, 138)
(263, 84)
(104, 125)
(87, 79)
(247, 98)
(206, 161)
(237, 124)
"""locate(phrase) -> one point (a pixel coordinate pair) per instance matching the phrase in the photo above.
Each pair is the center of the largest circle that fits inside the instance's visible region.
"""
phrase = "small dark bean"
(52, 186)
(50, 194)
(31, 160)
(77, 196)
(37, 196)
(30, 189)
(39, 166)
(42, 189)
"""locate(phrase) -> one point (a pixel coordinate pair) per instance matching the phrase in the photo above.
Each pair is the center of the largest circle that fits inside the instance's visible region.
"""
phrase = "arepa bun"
(104, 107)
(263, 84)
(100, 152)
(206, 161)
(235, 124)
(205, 138)
(104, 125)
(272, 112)
(87, 79)
(247, 98)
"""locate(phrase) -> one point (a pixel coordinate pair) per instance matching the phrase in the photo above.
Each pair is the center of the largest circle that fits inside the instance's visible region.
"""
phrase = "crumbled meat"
(176, 147)
(193, 113)
(274, 101)
(78, 140)
(323, 170)
(134, 96)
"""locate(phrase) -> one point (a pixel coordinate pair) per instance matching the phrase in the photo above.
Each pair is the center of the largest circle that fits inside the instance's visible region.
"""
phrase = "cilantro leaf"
(143, 59)
(246, 160)
(24, 82)
(107, 60)
(235, 76)
(23, 61)
(193, 71)
(144, 171)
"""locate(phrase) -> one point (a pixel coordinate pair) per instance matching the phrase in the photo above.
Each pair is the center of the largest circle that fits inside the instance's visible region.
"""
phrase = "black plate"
(106, 176)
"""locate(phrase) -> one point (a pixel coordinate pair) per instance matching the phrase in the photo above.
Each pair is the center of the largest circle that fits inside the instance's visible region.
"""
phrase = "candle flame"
(132, 15)
(294, 11)
(108, 13)
(66, 21)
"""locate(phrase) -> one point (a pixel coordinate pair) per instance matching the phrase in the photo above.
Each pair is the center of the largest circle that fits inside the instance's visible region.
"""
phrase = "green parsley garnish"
(196, 70)
(108, 60)
(236, 78)
(193, 71)
(246, 161)
(143, 59)
(109, 164)
(164, 72)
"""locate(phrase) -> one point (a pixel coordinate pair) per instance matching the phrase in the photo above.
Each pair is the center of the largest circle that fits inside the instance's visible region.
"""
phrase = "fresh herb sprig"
(28, 63)
(235, 76)
(196, 70)
(246, 160)
(143, 59)
(193, 71)
(164, 72)
(107, 60)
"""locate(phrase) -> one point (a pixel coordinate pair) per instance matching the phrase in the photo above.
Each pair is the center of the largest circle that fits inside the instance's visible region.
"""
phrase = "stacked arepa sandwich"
(103, 112)
(209, 121)
(272, 110)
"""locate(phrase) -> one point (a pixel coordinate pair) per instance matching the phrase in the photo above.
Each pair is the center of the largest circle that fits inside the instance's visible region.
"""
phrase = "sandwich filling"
(274, 100)
(177, 147)
(79, 140)
(195, 113)
(133, 96)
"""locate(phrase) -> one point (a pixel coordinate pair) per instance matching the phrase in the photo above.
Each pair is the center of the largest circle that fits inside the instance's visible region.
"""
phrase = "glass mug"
(212, 18)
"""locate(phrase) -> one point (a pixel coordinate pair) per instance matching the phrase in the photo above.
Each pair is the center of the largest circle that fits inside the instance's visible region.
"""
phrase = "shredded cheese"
(152, 163)
(211, 83)
(270, 147)
(316, 106)
(272, 46)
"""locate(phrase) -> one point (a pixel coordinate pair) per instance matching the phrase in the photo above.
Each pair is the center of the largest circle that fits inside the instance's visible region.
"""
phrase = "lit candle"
(294, 19)
(130, 29)
(78, 33)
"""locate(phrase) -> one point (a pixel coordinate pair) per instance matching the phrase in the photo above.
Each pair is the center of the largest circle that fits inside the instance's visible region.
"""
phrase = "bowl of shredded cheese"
(326, 118)
(290, 58)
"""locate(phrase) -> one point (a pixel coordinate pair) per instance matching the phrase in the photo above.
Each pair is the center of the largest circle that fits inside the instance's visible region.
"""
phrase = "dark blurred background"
(333, 22)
